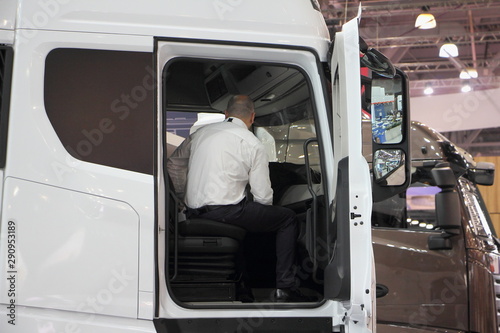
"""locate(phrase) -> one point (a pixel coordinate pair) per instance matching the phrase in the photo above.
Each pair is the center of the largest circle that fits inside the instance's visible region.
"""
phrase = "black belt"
(204, 209)
(209, 208)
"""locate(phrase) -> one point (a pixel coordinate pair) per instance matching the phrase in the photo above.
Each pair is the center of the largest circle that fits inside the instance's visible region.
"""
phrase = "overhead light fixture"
(425, 20)
(428, 90)
(466, 88)
(448, 50)
(468, 73)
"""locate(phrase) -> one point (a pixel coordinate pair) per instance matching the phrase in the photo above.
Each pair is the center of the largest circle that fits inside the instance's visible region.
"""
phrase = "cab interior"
(208, 262)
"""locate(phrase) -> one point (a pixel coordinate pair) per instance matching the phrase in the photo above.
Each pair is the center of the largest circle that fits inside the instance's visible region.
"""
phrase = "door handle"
(382, 290)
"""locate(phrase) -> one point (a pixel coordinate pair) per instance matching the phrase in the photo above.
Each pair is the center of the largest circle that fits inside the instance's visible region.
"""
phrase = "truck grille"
(496, 281)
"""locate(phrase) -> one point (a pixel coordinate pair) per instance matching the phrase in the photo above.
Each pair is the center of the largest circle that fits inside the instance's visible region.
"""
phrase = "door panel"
(425, 287)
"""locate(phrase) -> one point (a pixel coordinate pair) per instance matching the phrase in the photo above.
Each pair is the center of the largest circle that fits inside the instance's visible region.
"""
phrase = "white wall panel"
(458, 112)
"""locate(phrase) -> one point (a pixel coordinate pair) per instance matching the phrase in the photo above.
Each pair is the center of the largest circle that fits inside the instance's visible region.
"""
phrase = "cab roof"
(287, 22)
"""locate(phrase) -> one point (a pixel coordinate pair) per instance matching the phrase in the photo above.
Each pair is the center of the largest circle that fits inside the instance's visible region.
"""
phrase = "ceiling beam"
(486, 65)
(396, 54)
(373, 8)
(484, 144)
(472, 136)
(489, 81)
(432, 40)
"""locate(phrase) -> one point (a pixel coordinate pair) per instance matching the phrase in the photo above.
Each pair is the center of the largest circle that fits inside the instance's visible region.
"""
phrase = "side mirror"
(386, 99)
(482, 174)
(448, 214)
(388, 167)
(448, 211)
(440, 242)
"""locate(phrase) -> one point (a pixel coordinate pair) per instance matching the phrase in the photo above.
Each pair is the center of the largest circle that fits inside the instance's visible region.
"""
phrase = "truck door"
(195, 80)
(352, 280)
(415, 284)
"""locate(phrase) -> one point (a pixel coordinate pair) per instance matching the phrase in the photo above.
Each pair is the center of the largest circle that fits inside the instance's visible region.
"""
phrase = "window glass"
(421, 206)
(285, 132)
(101, 105)
(6, 59)
(390, 213)
(415, 209)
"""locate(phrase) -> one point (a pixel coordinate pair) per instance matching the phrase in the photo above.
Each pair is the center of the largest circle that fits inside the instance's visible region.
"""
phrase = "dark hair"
(240, 106)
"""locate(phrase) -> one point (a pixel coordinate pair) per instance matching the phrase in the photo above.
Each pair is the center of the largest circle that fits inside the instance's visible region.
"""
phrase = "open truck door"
(386, 88)
(287, 86)
(348, 280)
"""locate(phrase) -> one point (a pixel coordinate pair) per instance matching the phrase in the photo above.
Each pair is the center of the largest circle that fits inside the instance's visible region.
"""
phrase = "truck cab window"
(6, 60)
(421, 206)
(106, 115)
(210, 267)
(414, 209)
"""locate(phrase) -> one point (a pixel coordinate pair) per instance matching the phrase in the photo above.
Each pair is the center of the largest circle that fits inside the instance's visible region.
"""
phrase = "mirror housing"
(386, 99)
(448, 210)
(439, 242)
(482, 174)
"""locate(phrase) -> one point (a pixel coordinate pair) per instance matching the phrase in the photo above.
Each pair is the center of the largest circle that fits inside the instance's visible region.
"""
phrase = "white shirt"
(218, 161)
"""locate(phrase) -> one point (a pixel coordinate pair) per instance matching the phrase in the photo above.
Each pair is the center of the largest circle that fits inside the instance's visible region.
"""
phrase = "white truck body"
(81, 246)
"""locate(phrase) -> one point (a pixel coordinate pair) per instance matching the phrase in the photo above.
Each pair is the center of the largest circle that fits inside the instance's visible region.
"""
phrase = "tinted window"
(414, 209)
(6, 56)
(101, 105)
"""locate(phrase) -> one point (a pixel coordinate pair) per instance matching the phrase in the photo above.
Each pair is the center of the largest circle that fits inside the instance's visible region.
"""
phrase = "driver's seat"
(202, 256)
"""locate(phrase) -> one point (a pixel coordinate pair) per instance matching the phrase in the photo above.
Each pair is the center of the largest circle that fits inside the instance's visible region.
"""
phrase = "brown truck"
(436, 252)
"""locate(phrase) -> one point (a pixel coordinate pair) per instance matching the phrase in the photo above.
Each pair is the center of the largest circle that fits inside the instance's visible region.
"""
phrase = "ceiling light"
(466, 88)
(428, 90)
(425, 20)
(448, 50)
(468, 73)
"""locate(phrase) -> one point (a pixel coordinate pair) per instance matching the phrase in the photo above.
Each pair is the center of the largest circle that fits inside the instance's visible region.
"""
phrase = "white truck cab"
(91, 237)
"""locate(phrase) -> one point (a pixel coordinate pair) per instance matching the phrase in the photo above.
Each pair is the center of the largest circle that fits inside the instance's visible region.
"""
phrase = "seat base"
(205, 292)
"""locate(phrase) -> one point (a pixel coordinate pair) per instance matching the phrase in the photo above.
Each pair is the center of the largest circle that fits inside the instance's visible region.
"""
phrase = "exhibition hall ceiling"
(472, 25)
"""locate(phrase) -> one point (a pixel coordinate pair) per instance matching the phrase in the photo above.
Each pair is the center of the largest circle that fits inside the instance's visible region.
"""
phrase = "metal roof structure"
(472, 25)
(389, 26)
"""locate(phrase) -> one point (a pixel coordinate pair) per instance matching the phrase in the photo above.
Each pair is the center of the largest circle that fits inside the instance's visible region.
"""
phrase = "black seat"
(205, 227)
(203, 255)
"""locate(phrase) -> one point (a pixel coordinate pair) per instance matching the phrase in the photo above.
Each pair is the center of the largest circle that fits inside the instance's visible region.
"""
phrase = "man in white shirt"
(211, 170)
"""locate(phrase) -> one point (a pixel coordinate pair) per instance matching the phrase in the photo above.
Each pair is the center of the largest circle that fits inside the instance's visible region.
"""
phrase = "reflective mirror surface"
(387, 110)
(389, 167)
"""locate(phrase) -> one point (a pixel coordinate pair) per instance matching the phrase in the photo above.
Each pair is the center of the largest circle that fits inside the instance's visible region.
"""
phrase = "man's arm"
(177, 166)
(258, 178)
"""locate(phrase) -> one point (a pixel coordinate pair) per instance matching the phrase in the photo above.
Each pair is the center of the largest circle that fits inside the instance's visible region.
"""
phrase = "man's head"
(241, 107)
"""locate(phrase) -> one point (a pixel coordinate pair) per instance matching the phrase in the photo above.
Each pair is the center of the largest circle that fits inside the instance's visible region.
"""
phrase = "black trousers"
(255, 217)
